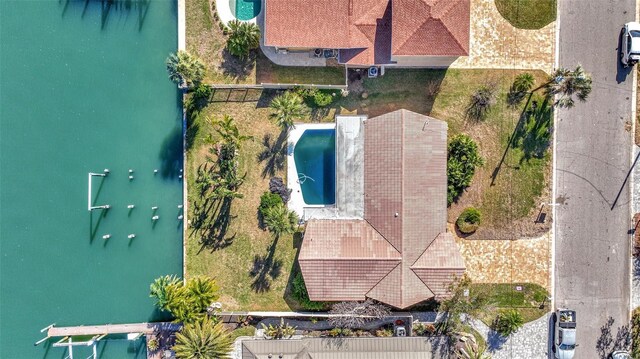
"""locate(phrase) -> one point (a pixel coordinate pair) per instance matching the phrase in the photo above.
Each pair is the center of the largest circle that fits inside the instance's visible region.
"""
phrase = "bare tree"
(356, 314)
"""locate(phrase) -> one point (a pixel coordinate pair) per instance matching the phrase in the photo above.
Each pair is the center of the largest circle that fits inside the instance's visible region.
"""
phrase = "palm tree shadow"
(265, 269)
(273, 155)
(512, 139)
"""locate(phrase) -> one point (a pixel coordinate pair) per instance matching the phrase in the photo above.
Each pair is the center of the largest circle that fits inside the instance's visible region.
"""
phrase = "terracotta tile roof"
(430, 27)
(344, 259)
(400, 254)
(439, 264)
(368, 32)
(306, 23)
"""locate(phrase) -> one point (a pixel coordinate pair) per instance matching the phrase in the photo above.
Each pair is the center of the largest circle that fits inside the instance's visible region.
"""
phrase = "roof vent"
(396, 214)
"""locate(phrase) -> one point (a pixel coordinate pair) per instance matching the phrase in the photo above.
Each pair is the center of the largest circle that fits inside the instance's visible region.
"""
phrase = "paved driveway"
(593, 161)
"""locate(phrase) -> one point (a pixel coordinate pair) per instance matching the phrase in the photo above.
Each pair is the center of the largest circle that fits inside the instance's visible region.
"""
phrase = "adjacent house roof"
(346, 348)
(399, 253)
(370, 31)
(430, 27)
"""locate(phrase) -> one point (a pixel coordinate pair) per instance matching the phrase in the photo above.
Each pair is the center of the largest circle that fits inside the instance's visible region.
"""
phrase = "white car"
(630, 47)
(620, 354)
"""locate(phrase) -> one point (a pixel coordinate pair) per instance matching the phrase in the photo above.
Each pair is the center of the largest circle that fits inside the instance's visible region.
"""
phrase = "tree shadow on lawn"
(212, 217)
(274, 154)
(266, 268)
(235, 67)
(532, 133)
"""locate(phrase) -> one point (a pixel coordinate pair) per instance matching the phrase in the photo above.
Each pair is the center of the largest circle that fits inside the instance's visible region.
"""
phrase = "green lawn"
(442, 94)
(505, 296)
(506, 190)
(528, 14)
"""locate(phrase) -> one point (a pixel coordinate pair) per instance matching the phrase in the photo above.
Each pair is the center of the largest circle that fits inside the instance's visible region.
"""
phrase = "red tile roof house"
(421, 33)
(399, 251)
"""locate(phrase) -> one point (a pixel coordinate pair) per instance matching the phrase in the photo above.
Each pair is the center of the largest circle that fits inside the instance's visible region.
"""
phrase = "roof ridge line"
(454, 37)
(381, 279)
(381, 235)
(425, 250)
(410, 35)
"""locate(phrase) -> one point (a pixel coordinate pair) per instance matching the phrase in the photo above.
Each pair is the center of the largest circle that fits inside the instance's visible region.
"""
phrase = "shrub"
(243, 38)
(507, 323)
(481, 102)
(279, 331)
(201, 95)
(276, 185)
(340, 332)
(322, 98)
(279, 220)
(519, 89)
(469, 220)
(463, 158)
(153, 344)
(299, 293)
(423, 329)
(185, 69)
(635, 333)
(384, 332)
(269, 200)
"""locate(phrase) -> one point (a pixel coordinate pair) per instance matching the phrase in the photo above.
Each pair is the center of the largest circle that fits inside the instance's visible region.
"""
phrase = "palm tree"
(279, 220)
(227, 129)
(244, 37)
(287, 108)
(566, 83)
(520, 87)
(185, 69)
(203, 290)
(161, 289)
(204, 339)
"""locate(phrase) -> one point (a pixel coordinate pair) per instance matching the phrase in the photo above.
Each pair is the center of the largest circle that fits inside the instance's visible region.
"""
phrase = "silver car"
(630, 47)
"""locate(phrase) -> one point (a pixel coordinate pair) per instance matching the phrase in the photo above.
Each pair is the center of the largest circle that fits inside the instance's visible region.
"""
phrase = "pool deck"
(223, 7)
(349, 171)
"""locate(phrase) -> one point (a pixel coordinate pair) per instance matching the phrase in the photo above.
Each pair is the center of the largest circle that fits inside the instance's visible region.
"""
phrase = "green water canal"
(83, 87)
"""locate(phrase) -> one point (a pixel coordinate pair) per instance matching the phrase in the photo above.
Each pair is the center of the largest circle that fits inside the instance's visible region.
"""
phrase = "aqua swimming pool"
(246, 9)
(315, 158)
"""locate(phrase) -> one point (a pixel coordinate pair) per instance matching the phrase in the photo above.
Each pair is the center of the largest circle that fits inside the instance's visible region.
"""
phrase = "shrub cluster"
(463, 158)
(315, 97)
(276, 185)
(269, 200)
(422, 329)
(507, 323)
(188, 302)
(469, 220)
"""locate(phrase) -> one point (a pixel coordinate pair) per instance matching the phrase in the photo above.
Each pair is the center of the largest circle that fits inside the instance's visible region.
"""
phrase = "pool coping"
(223, 7)
(296, 202)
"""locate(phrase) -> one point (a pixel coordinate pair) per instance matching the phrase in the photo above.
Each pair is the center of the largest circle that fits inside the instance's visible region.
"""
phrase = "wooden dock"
(144, 328)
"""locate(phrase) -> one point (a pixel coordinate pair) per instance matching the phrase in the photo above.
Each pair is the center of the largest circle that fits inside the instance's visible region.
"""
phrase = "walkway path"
(508, 261)
(530, 342)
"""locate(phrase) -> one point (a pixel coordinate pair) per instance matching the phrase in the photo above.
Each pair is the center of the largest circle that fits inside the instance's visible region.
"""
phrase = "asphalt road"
(593, 160)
